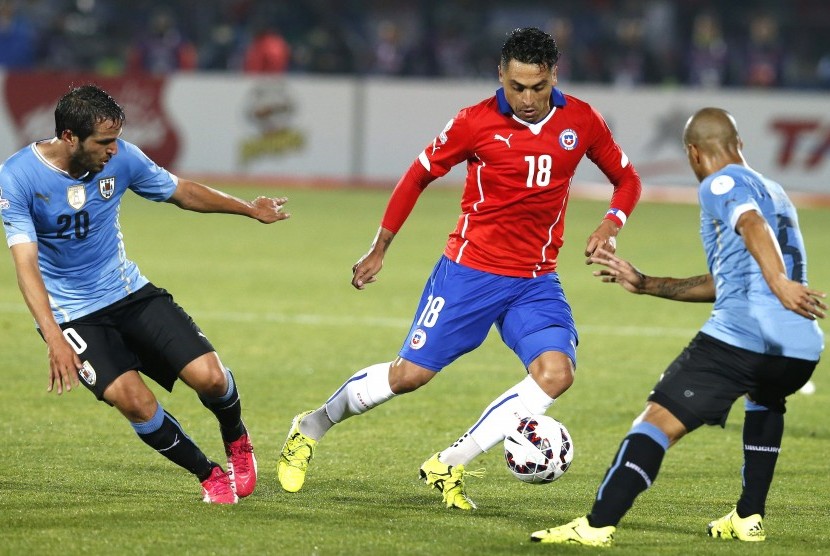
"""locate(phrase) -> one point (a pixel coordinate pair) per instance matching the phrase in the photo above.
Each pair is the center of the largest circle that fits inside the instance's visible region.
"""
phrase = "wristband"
(617, 216)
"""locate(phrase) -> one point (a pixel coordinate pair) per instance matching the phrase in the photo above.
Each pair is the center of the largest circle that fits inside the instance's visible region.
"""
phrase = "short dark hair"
(530, 46)
(83, 107)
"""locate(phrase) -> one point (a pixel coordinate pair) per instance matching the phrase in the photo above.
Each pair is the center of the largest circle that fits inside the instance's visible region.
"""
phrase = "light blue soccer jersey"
(75, 224)
(746, 313)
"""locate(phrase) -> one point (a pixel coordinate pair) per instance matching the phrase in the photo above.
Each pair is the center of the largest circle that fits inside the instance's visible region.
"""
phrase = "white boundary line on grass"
(387, 322)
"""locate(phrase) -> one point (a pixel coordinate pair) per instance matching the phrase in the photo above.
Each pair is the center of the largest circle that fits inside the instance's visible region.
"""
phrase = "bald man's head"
(711, 140)
(711, 128)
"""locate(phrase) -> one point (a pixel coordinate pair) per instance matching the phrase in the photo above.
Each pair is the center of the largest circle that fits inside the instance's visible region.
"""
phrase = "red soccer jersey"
(518, 180)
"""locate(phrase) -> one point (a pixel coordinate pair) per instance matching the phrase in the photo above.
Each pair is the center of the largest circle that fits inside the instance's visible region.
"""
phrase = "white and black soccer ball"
(539, 450)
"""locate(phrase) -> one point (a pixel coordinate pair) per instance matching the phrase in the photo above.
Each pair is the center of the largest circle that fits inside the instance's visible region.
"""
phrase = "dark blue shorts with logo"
(460, 304)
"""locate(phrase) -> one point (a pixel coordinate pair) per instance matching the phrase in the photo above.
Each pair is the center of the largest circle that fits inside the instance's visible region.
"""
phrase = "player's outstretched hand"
(801, 299)
(269, 209)
(617, 270)
(366, 269)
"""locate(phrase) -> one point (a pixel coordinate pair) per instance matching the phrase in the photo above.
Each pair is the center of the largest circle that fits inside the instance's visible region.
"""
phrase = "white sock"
(316, 423)
(366, 389)
(524, 399)
(462, 452)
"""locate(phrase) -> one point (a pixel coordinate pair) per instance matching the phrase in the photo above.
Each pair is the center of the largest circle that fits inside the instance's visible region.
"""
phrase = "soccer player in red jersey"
(521, 147)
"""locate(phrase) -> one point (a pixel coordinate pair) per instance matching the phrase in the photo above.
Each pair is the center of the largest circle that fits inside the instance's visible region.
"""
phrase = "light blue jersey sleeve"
(147, 178)
(746, 313)
(15, 207)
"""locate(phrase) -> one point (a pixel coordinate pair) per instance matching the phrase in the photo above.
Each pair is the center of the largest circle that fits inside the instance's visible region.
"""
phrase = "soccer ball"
(539, 450)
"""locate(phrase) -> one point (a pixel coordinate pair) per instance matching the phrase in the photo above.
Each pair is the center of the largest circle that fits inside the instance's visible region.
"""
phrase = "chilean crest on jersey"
(76, 196)
(568, 140)
(418, 339)
(106, 186)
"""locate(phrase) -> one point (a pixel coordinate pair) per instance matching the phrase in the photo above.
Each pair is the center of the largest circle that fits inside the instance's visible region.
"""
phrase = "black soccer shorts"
(702, 384)
(146, 331)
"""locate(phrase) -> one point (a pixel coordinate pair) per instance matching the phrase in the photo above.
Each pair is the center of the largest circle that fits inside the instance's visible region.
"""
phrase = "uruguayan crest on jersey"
(4, 203)
(107, 187)
(76, 196)
(87, 372)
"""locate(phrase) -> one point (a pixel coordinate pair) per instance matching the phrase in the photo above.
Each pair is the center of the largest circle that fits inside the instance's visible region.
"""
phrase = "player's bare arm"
(695, 288)
(761, 243)
(196, 197)
(604, 237)
(699, 289)
(63, 361)
(365, 270)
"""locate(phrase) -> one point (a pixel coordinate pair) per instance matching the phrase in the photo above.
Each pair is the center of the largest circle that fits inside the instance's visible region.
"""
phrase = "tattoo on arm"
(678, 288)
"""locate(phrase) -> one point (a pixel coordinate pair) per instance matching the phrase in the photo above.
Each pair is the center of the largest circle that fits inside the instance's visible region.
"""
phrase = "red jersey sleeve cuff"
(616, 216)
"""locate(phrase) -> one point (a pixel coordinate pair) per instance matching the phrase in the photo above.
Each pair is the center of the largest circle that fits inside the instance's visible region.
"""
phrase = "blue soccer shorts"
(460, 304)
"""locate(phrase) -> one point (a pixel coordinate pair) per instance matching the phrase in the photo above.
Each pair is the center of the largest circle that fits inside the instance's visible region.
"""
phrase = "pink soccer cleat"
(217, 489)
(241, 465)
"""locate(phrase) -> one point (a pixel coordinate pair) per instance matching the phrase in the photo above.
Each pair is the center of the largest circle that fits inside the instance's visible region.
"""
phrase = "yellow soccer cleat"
(732, 526)
(294, 457)
(578, 531)
(449, 479)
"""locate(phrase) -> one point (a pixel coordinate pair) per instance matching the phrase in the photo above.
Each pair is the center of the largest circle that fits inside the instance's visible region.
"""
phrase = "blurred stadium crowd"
(706, 43)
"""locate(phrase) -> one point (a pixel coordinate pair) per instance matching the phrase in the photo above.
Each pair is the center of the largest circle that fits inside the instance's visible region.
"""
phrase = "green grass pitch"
(277, 303)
